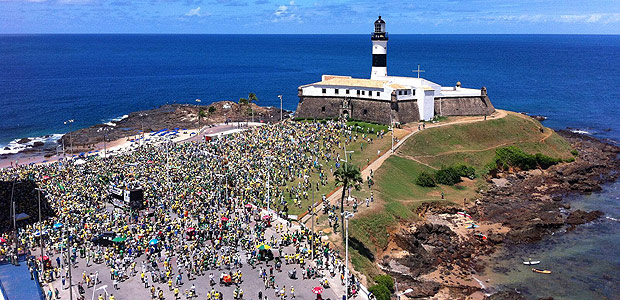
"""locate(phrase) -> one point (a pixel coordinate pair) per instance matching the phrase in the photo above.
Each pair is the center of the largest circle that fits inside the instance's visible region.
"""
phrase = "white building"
(393, 91)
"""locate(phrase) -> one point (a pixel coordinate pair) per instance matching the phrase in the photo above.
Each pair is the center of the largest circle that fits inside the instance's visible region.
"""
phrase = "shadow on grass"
(361, 248)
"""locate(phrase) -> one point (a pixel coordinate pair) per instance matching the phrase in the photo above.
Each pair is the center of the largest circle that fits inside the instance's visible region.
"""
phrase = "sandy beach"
(130, 143)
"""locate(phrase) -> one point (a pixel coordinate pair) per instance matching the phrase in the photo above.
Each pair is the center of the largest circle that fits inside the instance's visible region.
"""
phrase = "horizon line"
(173, 33)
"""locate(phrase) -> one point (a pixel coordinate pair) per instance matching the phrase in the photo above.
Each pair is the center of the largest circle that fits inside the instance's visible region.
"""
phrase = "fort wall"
(358, 109)
(464, 106)
(379, 111)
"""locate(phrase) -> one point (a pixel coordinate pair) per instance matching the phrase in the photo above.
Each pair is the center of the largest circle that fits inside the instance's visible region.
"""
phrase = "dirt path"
(546, 136)
(416, 160)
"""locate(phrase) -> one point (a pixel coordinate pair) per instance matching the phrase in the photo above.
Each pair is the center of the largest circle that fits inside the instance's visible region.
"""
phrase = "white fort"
(427, 96)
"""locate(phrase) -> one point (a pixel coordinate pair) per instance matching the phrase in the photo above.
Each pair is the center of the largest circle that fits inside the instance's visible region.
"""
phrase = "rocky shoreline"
(518, 208)
(169, 116)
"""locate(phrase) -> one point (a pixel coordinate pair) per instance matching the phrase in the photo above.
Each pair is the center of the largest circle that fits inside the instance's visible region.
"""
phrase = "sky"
(310, 16)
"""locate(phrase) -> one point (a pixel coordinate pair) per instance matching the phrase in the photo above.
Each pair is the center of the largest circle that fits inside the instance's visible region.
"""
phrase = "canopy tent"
(119, 239)
(263, 247)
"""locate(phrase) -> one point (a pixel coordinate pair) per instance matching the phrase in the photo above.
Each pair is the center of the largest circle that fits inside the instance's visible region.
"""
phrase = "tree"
(425, 180)
(210, 111)
(380, 291)
(447, 176)
(387, 281)
(347, 175)
(248, 101)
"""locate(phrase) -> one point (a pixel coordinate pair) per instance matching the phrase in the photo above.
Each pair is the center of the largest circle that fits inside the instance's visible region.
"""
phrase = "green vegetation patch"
(512, 157)
(425, 180)
(365, 127)
(385, 280)
(479, 136)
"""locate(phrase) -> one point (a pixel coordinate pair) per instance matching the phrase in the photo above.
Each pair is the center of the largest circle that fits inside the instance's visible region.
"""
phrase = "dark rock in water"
(505, 295)
(7, 148)
(24, 141)
(38, 144)
(539, 118)
(579, 217)
(546, 298)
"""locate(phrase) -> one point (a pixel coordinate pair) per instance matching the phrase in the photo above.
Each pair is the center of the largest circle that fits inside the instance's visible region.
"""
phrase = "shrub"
(492, 168)
(447, 176)
(380, 291)
(545, 161)
(387, 281)
(425, 180)
(574, 152)
(466, 171)
(514, 157)
(570, 159)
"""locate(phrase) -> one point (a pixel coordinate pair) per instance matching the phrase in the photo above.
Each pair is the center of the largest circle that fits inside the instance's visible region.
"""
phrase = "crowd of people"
(205, 213)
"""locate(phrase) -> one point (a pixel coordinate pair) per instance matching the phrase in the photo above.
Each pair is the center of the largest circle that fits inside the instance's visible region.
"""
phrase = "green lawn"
(478, 136)
(475, 143)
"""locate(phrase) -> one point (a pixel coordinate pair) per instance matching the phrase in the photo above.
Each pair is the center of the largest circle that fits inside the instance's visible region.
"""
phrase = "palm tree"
(201, 114)
(347, 175)
(251, 98)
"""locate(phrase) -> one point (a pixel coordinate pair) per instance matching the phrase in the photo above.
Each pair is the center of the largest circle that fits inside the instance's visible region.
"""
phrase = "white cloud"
(287, 13)
(591, 18)
(282, 9)
(194, 12)
(73, 1)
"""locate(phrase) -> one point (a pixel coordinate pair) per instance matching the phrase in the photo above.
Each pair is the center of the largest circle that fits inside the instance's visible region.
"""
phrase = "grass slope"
(475, 143)
(397, 195)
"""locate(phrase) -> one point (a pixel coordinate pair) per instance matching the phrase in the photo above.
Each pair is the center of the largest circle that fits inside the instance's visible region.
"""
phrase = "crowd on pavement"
(214, 210)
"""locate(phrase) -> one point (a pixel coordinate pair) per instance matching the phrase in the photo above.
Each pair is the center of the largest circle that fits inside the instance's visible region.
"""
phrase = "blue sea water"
(572, 79)
(47, 79)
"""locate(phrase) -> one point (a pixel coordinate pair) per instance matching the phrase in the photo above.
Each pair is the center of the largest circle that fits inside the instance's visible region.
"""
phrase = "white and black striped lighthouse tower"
(379, 50)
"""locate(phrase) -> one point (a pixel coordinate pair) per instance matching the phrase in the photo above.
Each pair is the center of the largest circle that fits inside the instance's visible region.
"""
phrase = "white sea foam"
(15, 147)
(119, 118)
(113, 121)
(613, 219)
(580, 131)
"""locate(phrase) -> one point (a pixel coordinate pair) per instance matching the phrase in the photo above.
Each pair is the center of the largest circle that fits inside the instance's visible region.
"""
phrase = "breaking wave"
(21, 144)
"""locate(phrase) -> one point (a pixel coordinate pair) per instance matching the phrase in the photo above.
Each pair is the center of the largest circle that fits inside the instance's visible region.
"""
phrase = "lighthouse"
(379, 40)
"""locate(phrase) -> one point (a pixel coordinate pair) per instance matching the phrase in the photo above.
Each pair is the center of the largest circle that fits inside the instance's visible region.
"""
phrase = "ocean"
(571, 79)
